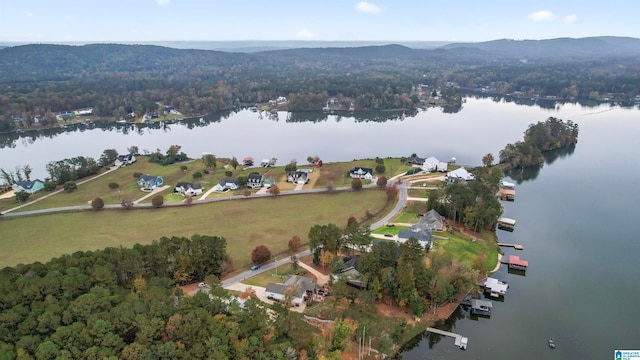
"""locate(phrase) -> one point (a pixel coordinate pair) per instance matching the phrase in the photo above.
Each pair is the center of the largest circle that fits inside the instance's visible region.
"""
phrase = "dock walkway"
(460, 341)
(515, 246)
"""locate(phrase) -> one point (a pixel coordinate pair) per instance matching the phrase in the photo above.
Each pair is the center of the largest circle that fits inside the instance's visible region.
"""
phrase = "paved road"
(266, 267)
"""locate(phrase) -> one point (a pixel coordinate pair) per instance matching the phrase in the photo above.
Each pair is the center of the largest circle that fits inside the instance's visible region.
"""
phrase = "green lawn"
(463, 249)
(271, 277)
(244, 223)
(389, 230)
(406, 217)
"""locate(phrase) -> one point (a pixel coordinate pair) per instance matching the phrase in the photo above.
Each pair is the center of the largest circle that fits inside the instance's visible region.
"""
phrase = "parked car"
(388, 235)
(202, 284)
(255, 267)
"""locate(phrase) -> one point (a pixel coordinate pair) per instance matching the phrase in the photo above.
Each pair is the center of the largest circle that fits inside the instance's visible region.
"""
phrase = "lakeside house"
(150, 182)
(28, 186)
(255, 181)
(188, 188)
(226, 185)
(432, 164)
(297, 288)
(460, 175)
(361, 173)
(434, 220)
(420, 231)
(298, 177)
(123, 160)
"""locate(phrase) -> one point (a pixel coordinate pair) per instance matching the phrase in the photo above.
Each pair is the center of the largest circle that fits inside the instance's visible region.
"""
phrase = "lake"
(574, 216)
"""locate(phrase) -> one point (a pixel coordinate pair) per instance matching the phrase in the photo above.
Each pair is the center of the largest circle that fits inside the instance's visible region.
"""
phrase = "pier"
(460, 341)
(515, 246)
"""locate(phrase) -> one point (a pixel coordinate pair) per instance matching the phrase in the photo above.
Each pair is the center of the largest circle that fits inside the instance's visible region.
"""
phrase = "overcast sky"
(326, 20)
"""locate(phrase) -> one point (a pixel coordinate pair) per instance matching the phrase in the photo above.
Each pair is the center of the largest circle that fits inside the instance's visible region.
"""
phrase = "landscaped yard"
(337, 172)
(463, 249)
(244, 223)
(406, 217)
(389, 230)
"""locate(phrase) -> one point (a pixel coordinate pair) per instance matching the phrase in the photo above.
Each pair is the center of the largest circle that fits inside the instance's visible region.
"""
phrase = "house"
(297, 288)
(268, 163)
(226, 185)
(419, 231)
(248, 161)
(298, 177)
(83, 112)
(434, 220)
(124, 160)
(31, 187)
(361, 173)
(281, 99)
(494, 286)
(415, 160)
(149, 182)
(460, 175)
(255, 181)
(430, 164)
(188, 188)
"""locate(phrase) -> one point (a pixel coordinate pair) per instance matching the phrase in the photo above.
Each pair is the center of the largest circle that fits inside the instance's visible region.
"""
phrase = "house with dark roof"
(226, 185)
(361, 173)
(298, 288)
(150, 182)
(415, 160)
(255, 181)
(419, 231)
(31, 187)
(434, 220)
(188, 188)
(124, 160)
(298, 177)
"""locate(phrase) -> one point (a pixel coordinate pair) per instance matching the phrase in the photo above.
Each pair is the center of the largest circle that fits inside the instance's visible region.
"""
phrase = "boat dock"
(460, 341)
(516, 263)
(506, 224)
(515, 246)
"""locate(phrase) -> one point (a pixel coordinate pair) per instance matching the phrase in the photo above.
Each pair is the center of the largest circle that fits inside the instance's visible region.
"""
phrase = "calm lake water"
(575, 216)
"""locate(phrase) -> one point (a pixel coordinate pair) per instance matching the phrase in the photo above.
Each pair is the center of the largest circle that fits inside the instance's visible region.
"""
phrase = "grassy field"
(406, 217)
(244, 223)
(389, 230)
(463, 249)
(336, 172)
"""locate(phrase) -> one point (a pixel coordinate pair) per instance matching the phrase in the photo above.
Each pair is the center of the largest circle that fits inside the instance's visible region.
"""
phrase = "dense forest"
(121, 303)
(116, 81)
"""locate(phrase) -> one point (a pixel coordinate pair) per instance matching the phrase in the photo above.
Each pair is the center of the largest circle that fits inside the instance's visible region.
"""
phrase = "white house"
(188, 188)
(430, 164)
(281, 99)
(298, 288)
(226, 184)
(123, 160)
(83, 112)
(298, 177)
(361, 173)
(459, 175)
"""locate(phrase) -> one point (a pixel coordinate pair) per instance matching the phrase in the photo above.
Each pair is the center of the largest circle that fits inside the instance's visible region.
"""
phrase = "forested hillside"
(117, 80)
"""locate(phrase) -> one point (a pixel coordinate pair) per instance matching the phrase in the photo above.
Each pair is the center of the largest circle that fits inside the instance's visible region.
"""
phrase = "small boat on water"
(552, 343)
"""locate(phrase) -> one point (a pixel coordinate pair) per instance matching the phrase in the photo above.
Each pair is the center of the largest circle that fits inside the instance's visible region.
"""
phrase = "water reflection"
(531, 172)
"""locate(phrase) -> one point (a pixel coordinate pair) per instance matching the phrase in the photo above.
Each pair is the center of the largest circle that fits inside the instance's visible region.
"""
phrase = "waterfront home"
(188, 188)
(123, 160)
(255, 181)
(430, 164)
(434, 220)
(460, 175)
(420, 231)
(298, 288)
(361, 173)
(150, 182)
(298, 177)
(31, 187)
(226, 185)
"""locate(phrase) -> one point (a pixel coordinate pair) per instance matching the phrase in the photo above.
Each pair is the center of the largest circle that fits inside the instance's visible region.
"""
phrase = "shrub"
(228, 173)
(183, 167)
(379, 161)
(97, 204)
(127, 203)
(330, 186)
(206, 171)
(157, 201)
(137, 175)
(197, 175)
(274, 190)
(113, 185)
(260, 254)
(70, 186)
(382, 181)
(295, 243)
(188, 199)
(380, 169)
(356, 184)
(50, 185)
(22, 196)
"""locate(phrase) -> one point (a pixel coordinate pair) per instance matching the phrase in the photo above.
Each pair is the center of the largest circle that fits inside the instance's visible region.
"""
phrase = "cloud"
(305, 34)
(570, 19)
(542, 15)
(29, 14)
(163, 2)
(366, 7)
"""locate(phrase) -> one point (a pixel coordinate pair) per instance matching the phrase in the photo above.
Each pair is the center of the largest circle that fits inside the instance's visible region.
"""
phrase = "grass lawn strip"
(244, 223)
